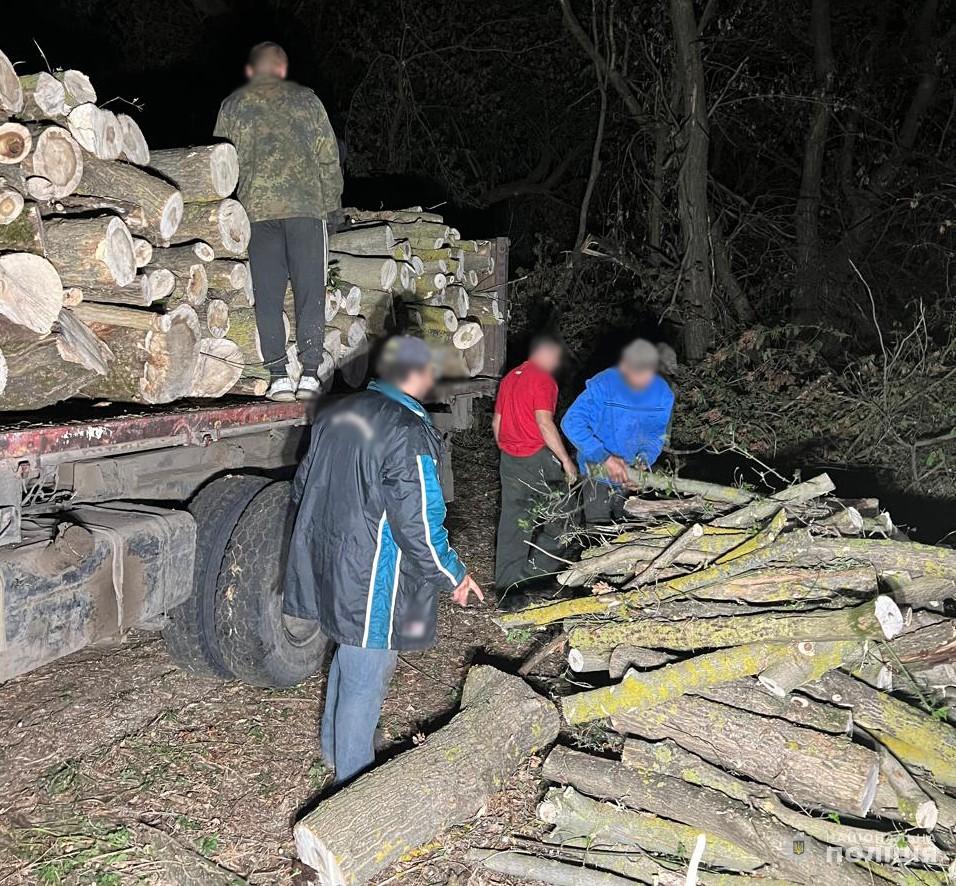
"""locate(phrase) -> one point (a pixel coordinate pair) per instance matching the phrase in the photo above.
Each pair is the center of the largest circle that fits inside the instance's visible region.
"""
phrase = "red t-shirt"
(523, 391)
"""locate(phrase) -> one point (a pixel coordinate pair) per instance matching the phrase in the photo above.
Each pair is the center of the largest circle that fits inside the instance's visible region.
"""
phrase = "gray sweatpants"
(281, 250)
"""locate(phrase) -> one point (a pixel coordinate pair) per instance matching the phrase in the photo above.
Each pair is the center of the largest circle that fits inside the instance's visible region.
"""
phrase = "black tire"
(190, 634)
(258, 643)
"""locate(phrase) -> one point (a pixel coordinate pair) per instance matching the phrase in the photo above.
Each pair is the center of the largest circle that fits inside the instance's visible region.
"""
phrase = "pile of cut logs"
(123, 271)
(767, 678)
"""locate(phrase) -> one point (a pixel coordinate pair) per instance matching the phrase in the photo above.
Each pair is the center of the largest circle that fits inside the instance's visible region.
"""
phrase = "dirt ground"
(117, 768)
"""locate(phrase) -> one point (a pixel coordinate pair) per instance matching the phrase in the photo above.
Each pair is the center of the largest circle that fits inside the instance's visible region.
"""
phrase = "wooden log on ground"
(11, 92)
(606, 824)
(15, 142)
(31, 292)
(44, 369)
(900, 797)
(885, 555)
(666, 557)
(878, 619)
(24, 232)
(161, 203)
(763, 508)
(364, 271)
(91, 251)
(640, 691)
(786, 584)
(923, 592)
(807, 661)
(97, 130)
(446, 779)
(666, 758)
(372, 239)
(226, 275)
(749, 695)
(917, 739)
(623, 658)
(56, 157)
(155, 355)
(203, 174)
(546, 870)
(223, 225)
(218, 368)
(750, 829)
(135, 148)
(817, 770)
(79, 89)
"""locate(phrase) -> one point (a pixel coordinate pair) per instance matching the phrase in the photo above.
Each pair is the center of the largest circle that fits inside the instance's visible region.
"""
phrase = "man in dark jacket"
(290, 183)
(369, 553)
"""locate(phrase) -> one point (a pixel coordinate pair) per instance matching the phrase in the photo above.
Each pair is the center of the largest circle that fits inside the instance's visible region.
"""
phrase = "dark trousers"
(601, 503)
(533, 500)
(281, 250)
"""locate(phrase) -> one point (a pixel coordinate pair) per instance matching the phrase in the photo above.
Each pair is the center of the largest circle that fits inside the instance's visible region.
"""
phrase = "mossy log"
(922, 592)
(817, 770)
(666, 758)
(24, 233)
(606, 824)
(433, 319)
(750, 829)
(31, 292)
(91, 251)
(763, 508)
(806, 661)
(154, 355)
(885, 555)
(203, 174)
(899, 796)
(229, 276)
(667, 556)
(789, 584)
(548, 870)
(371, 239)
(161, 203)
(408, 215)
(615, 661)
(422, 234)
(44, 369)
(364, 271)
(223, 225)
(15, 142)
(917, 739)
(446, 779)
(749, 695)
(878, 619)
(640, 691)
(44, 97)
(244, 332)
(667, 483)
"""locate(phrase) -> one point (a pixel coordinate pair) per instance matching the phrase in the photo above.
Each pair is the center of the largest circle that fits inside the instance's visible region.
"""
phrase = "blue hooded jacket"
(610, 418)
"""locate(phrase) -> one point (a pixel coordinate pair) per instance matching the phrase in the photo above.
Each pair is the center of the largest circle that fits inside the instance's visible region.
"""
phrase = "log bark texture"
(223, 225)
(203, 174)
(91, 251)
(443, 781)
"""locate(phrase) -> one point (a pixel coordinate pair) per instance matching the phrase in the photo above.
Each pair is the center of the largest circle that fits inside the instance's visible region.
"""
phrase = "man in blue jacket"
(621, 418)
(369, 554)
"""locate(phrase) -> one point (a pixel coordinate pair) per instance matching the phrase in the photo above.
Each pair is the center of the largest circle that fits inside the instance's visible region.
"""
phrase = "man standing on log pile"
(290, 183)
(536, 469)
(619, 420)
(369, 554)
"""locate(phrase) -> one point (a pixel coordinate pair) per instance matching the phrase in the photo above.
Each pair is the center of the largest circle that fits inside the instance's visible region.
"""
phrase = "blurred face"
(275, 69)
(419, 382)
(637, 379)
(547, 357)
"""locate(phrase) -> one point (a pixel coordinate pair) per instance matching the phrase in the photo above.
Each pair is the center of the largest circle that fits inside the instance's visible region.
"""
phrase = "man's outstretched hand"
(468, 585)
(616, 469)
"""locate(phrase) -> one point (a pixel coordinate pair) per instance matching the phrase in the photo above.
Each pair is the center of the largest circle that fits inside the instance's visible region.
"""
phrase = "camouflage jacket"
(288, 156)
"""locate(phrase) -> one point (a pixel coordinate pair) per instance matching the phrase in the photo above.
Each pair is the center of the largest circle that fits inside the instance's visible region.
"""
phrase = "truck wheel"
(190, 634)
(259, 643)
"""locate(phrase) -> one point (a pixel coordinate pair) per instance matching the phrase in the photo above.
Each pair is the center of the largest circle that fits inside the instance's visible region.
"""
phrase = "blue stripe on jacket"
(383, 587)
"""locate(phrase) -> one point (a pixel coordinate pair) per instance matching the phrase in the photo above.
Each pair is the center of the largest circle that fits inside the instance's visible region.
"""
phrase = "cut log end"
(218, 368)
(173, 350)
(889, 616)
(117, 252)
(135, 148)
(31, 293)
(11, 92)
(234, 226)
(171, 216)
(78, 87)
(467, 335)
(224, 165)
(11, 205)
(15, 142)
(58, 159)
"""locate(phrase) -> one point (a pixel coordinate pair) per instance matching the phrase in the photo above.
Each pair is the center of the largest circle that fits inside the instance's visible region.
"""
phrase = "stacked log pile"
(406, 270)
(771, 674)
(142, 254)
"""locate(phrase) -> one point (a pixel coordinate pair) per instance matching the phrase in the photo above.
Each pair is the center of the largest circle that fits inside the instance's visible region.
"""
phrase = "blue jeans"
(358, 681)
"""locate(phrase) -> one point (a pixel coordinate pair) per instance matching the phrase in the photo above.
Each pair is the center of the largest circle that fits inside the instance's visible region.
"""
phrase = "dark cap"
(404, 352)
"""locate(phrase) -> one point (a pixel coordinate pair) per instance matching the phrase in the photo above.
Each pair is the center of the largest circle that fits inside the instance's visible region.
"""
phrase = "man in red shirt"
(534, 466)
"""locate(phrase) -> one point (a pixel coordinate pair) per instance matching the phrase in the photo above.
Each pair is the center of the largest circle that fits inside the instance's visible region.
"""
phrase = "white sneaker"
(309, 388)
(281, 389)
